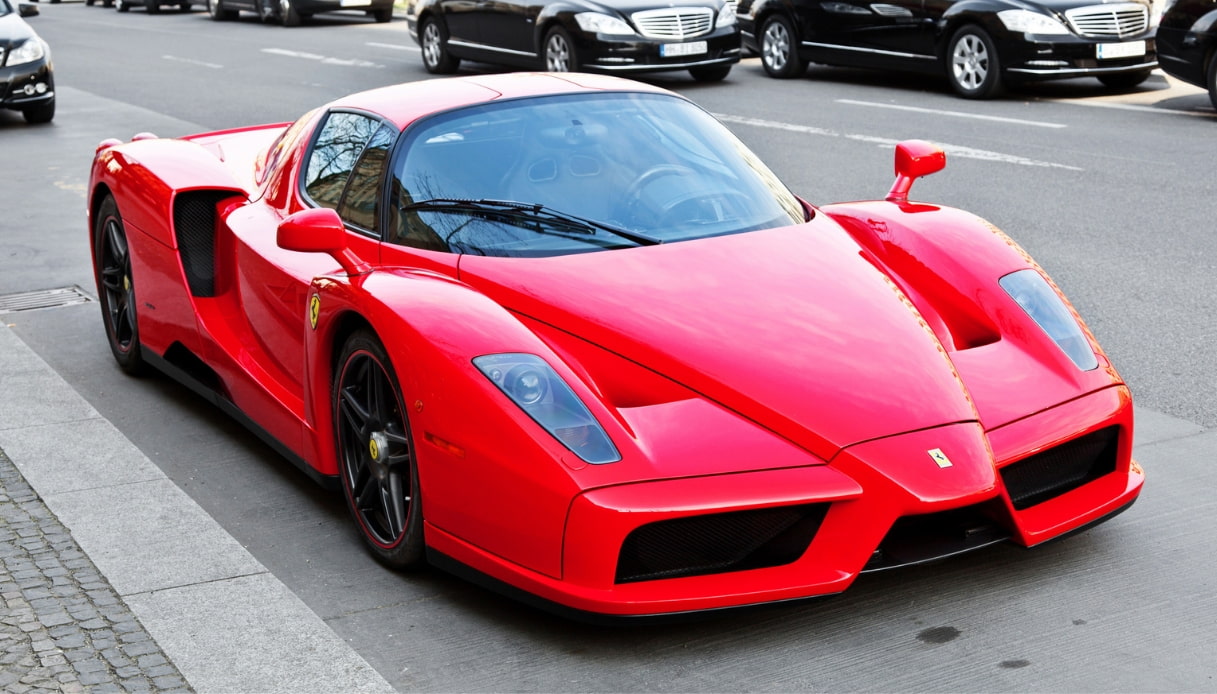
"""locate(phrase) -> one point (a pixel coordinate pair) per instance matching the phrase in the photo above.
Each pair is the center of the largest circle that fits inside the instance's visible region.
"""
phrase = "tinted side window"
(335, 153)
(359, 204)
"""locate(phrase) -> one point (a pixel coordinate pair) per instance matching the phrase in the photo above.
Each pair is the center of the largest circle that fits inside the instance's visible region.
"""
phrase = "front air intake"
(718, 543)
(1061, 469)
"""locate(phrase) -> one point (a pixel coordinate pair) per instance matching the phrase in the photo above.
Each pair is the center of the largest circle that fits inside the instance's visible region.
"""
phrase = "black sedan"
(291, 13)
(1187, 43)
(26, 80)
(980, 45)
(629, 36)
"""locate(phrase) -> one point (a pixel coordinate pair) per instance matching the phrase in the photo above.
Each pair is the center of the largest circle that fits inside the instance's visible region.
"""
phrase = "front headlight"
(1028, 22)
(726, 17)
(1033, 293)
(537, 389)
(27, 52)
(597, 23)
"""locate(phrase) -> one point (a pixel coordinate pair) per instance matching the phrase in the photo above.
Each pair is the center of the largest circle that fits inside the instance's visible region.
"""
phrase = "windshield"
(577, 173)
(5, 8)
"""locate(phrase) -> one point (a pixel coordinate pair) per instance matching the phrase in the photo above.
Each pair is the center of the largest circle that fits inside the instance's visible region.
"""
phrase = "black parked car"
(290, 13)
(628, 36)
(26, 80)
(980, 45)
(1187, 43)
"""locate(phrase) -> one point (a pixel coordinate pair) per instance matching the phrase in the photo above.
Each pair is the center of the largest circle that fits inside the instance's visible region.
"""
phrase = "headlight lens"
(1028, 22)
(726, 17)
(1044, 305)
(27, 52)
(537, 389)
(598, 23)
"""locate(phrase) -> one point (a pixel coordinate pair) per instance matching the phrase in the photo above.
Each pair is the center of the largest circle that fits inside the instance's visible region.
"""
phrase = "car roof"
(405, 103)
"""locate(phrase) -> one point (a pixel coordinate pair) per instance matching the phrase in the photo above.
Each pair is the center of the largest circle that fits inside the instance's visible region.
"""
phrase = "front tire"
(376, 453)
(559, 52)
(217, 11)
(436, 58)
(972, 64)
(780, 49)
(116, 287)
(42, 113)
(1124, 80)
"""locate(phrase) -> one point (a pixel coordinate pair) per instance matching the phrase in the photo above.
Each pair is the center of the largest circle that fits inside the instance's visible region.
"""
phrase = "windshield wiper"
(532, 211)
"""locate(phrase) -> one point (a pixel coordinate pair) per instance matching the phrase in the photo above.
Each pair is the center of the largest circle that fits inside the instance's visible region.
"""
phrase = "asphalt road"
(1113, 194)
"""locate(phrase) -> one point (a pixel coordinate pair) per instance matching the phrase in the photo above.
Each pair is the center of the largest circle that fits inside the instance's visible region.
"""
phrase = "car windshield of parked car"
(575, 173)
(4, 8)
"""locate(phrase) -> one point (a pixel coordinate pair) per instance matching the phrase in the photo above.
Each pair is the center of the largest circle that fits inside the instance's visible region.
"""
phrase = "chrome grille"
(674, 23)
(1109, 21)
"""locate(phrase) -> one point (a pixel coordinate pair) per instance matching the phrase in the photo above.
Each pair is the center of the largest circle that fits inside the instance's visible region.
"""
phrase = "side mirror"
(319, 230)
(914, 159)
(25, 9)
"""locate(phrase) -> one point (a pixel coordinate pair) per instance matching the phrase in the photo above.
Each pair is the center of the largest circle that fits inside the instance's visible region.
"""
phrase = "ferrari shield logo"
(314, 310)
(939, 457)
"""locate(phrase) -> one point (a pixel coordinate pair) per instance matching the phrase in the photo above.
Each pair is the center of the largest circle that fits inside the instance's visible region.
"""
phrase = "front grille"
(1058, 470)
(674, 23)
(1109, 21)
(719, 542)
(932, 536)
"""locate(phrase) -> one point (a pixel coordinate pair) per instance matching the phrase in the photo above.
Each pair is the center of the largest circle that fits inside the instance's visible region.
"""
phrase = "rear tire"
(116, 287)
(972, 64)
(710, 73)
(436, 58)
(1124, 80)
(780, 49)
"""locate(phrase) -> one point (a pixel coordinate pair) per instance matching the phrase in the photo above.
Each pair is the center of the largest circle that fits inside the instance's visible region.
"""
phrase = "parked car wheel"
(436, 58)
(217, 11)
(780, 50)
(288, 15)
(376, 453)
(116, 287)
(560, 52)
(153, 6)
(122, 5)
(972, 65)
(382, 16)
(1124, 80)
(42, 113)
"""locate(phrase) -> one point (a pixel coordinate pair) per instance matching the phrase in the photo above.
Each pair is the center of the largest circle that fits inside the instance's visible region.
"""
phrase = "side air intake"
(194, 225)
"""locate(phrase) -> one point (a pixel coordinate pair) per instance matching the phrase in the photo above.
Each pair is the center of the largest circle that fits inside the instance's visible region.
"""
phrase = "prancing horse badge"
(939, 457)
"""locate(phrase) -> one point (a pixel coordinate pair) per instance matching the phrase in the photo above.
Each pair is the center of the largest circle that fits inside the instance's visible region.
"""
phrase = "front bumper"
(670, 547)
(1059, 57)
(639, 54)
(24, 86)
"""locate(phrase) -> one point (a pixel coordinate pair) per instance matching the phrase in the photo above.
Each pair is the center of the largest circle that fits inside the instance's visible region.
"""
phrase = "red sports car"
(567, 335)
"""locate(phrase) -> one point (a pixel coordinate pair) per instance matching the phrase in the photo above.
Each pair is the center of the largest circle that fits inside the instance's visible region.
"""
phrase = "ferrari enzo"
(566, 335)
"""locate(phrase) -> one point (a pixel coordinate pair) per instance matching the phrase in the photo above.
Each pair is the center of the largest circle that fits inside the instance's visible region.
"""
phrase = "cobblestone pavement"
(62, 627)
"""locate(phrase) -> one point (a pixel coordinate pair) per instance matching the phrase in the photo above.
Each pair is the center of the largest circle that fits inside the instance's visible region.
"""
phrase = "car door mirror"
(319, 230)
(27, 10)
(914, 159)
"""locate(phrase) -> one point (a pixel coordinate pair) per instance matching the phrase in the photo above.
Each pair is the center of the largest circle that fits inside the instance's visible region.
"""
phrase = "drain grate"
(46, 298)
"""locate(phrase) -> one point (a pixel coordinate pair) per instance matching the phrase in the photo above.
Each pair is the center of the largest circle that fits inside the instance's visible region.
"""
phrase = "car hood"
(628, 7)
(13, 29)
(791, 328)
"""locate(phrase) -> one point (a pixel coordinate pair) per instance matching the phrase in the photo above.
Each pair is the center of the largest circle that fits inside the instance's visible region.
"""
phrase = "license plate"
(1107, 51)
(672, 50)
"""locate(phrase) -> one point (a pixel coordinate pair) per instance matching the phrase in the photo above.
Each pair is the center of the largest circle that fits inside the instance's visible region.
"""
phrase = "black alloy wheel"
(559, 52)
(973, 68)
(780, 48)
(436, 57)
(116, 287)
(376, 453)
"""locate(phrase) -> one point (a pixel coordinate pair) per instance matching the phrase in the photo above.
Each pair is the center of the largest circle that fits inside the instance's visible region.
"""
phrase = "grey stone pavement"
(112, 579)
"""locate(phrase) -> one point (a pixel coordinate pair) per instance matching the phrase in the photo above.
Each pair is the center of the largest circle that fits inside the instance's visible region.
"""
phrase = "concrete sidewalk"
(113, 579)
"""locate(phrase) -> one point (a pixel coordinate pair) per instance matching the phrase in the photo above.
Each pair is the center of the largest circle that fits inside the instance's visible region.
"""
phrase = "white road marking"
(346, 62)
(954, 150)
(393, 46)
(192, 61)
(953, 114)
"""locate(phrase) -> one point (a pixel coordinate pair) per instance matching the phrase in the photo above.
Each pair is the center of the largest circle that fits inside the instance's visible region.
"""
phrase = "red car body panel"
(823, 366)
